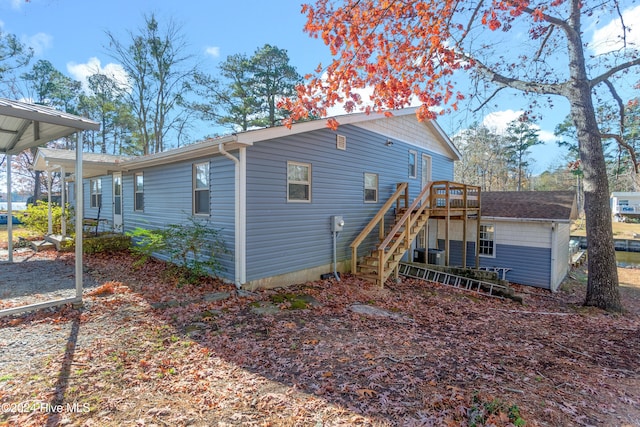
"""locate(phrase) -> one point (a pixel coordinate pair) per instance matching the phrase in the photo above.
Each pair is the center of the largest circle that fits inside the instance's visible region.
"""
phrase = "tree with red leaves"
(415, 50)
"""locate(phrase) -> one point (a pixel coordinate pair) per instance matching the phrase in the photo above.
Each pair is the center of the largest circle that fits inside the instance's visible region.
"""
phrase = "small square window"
(201, 204)
(413, 164)
(370, 187)
(298, 182)
(138, 184)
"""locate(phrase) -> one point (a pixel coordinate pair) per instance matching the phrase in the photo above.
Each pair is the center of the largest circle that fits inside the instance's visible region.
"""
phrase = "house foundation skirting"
(296, 277)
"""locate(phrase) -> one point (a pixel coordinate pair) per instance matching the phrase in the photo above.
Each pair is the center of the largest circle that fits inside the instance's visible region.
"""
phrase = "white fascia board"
(188, 152)
(507, 219)
(446, 139)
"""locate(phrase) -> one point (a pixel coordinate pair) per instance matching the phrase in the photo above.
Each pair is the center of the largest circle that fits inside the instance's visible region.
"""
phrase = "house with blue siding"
(524, 236)
(273, 192)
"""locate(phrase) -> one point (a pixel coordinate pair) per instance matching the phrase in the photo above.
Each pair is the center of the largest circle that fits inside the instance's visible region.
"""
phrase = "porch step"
(41, 245)
(56, 240)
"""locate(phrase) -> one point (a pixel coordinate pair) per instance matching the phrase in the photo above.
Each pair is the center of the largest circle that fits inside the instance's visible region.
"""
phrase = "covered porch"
(24, 126)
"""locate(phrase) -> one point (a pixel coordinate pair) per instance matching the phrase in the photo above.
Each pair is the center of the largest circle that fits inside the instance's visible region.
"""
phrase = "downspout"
(240, 212)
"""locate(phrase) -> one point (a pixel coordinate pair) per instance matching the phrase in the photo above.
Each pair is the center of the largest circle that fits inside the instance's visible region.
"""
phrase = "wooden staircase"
(439, 200)
(385, 257)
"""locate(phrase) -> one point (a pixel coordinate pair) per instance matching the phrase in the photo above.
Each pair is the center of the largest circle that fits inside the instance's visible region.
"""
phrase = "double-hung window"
(138, 189)
(298, 182)
(413, 163)
(96, 192)
(201, 205)
(487, 240)
(370, 187)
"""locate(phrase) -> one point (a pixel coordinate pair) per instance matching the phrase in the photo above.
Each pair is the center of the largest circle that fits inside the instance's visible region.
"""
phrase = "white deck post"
(50, 213)
(9, 210)
(63, 217)
(79, 216)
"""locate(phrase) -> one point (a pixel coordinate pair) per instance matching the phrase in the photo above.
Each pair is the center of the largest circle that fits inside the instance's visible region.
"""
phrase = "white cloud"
(81, 72)
(499, 120)
(15, 4)
(546, 136)
(609, 37)
(213, 51)
(39, 42)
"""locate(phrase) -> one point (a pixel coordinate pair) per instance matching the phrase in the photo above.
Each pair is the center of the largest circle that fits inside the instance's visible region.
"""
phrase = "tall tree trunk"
(602, 284)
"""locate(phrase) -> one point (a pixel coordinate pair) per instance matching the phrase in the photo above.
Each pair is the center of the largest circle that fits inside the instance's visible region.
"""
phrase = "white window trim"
(364, 185)
(308, 165)
(97, 193)
(195, 190)
(493, 241)
(414, 172)
(136, 191)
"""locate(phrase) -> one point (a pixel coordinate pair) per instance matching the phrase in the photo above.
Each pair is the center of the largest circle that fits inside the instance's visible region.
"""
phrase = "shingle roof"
(551, 205)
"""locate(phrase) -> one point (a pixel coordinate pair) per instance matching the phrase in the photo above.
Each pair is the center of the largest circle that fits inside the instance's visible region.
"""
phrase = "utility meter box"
(337, 223)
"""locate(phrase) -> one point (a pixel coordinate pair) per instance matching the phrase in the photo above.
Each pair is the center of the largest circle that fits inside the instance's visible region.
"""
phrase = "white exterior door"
(117, 202)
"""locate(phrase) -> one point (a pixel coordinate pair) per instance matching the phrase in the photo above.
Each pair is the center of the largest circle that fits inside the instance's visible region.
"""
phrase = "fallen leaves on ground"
(145, 350)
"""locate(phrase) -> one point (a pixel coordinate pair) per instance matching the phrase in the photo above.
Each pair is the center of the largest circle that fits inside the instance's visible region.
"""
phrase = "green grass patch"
(293, 301)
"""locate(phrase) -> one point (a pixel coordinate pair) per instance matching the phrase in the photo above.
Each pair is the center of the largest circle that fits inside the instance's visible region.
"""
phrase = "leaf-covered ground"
(144, 351)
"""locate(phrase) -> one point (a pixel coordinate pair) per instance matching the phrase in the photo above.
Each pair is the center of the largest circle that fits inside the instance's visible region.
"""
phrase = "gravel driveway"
(37, 278)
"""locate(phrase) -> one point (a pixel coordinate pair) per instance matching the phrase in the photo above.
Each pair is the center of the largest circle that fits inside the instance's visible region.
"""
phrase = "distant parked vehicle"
(3, 219)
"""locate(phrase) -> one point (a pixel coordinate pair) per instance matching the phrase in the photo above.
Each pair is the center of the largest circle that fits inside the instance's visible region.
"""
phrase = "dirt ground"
(144, 350)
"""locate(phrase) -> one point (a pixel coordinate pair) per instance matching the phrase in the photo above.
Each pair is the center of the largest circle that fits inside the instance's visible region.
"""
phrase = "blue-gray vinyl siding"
(529, 265)
(168, 200)
(286, 236)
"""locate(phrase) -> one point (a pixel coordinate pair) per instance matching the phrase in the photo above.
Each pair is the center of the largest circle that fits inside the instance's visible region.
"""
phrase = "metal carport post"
(23, 126)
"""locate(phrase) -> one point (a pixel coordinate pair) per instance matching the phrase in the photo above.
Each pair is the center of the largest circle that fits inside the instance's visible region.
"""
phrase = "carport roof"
(24, 125)
(94, 164)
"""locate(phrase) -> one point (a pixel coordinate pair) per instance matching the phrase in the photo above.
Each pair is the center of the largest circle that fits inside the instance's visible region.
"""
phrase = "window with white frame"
(487, 240)
(298, 182)
(96, 192)
(413, 163)
(370, 187)
(201, 205)
(138, 190)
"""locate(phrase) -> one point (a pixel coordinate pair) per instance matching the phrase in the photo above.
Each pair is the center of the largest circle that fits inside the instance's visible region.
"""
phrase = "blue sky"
(71, 35)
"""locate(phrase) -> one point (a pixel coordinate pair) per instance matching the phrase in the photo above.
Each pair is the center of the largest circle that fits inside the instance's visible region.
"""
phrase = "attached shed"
(523, 235)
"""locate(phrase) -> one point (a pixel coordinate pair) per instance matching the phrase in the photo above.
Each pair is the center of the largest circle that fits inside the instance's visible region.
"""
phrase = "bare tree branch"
(626, 146)
(543, 43)
(525, 86)
(620, 103)
(495, 92)
(624, 27)
(611, 71)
